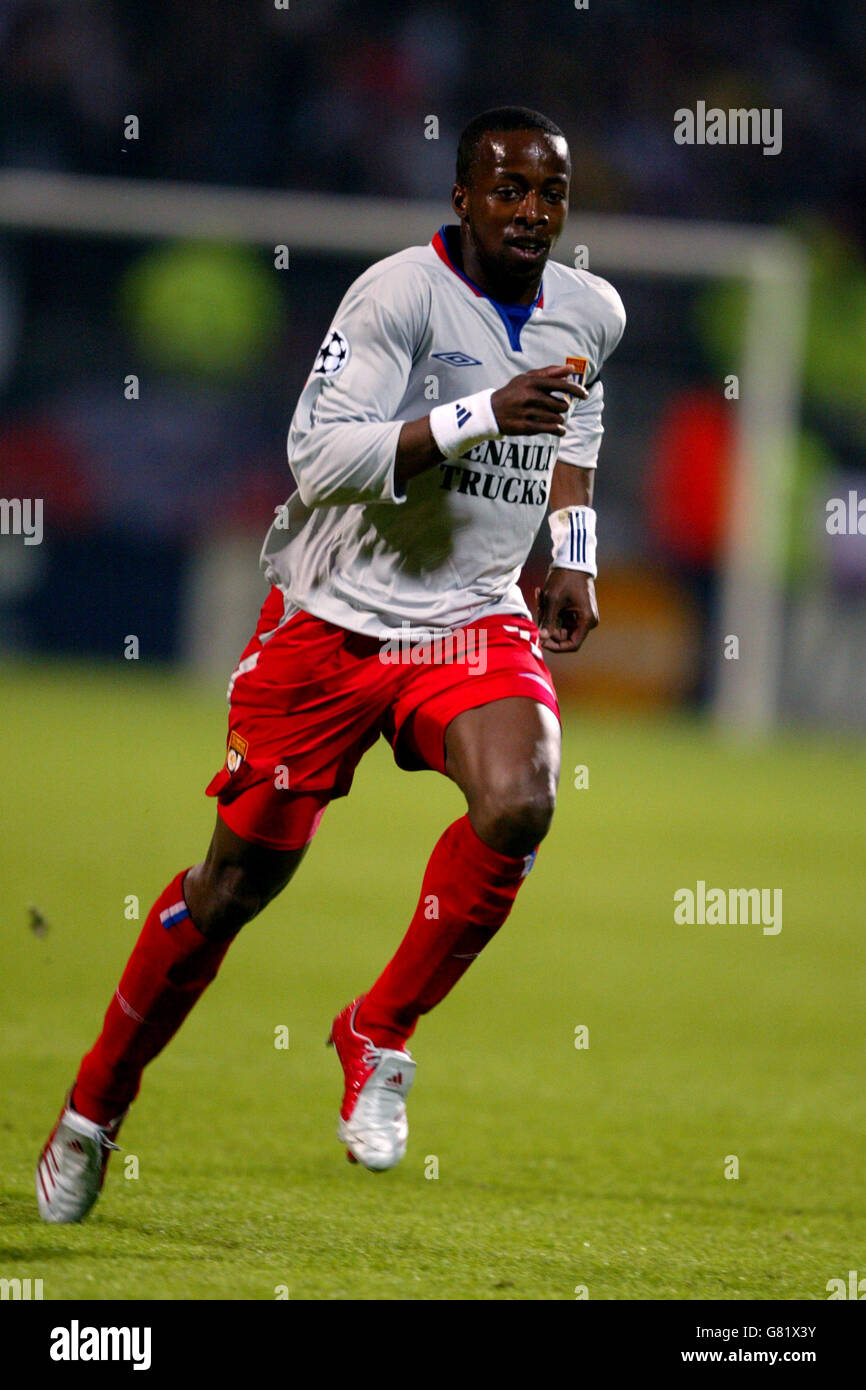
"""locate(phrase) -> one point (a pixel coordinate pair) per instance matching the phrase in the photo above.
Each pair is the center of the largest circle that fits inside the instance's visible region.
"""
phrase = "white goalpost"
(768, 261)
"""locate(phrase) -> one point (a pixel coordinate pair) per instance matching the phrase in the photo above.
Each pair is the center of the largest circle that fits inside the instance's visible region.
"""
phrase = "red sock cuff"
(503, 866)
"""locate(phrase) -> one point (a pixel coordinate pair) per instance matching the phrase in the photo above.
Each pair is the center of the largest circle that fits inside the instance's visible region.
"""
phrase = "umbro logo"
(457, 359)
(462, 415)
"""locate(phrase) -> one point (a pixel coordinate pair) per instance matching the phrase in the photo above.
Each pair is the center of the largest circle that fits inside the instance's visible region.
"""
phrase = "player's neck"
(504, 290)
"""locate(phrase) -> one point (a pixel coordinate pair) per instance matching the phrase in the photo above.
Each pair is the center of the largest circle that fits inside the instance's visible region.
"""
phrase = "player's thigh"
(507, 750)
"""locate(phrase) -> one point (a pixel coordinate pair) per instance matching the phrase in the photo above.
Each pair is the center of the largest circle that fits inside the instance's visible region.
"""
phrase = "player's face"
(516, 204)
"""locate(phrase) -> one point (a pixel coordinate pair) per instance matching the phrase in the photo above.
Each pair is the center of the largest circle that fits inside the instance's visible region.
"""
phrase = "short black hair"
(498, 118)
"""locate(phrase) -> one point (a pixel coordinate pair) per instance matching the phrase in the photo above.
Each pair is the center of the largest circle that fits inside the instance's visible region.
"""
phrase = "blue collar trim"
(513, 316)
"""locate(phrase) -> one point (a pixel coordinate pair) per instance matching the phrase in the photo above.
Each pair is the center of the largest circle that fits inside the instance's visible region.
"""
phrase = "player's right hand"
(534, 402)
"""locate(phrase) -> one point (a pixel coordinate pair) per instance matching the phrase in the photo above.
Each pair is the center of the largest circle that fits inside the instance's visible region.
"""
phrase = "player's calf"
(222, 900)
(235, 882)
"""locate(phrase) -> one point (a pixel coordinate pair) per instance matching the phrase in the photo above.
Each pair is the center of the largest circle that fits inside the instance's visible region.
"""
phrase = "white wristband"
(573, 532)
(459, 425)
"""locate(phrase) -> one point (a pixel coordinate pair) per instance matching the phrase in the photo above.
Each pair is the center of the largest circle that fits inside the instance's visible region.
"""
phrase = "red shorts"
(309, 698)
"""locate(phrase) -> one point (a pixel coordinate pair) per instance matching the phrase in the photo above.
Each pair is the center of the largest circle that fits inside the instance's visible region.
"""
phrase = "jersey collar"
(513, 316)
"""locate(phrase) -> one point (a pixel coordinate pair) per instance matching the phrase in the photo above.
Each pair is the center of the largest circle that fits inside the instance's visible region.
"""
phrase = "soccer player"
(394, 610)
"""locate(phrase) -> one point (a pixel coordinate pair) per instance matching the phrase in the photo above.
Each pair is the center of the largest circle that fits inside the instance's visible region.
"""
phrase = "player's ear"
(459, 195)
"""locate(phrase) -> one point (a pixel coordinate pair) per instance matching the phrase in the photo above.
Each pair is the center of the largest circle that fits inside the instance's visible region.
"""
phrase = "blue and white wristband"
(573, 533)
(459, 425)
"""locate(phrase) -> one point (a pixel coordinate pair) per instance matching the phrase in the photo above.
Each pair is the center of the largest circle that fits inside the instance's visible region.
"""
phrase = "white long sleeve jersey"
(413, 332)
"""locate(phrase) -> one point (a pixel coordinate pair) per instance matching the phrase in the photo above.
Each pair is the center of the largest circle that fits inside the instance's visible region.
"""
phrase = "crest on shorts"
(237, 752)
(578, 366)
(332, 355)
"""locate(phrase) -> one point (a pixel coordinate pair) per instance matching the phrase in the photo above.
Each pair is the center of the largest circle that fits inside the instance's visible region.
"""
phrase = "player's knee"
(223, 900)
(516, 819)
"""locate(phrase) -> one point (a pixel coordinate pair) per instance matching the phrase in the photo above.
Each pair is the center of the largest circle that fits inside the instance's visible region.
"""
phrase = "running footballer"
(410, 525)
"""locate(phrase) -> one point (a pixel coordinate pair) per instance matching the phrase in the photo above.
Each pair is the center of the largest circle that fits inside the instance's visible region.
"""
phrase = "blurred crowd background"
(332, 97)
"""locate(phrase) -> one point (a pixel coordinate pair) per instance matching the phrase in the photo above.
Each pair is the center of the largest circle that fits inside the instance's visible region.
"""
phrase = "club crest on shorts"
(237, 752)
(332, 355)
(578, 366)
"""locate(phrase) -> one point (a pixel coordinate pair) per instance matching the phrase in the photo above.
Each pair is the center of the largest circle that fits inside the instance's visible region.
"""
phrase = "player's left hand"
(566, 609)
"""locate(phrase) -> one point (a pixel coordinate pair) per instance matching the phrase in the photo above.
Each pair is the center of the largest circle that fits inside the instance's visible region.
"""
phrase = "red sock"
(467, 893)
(171, 965)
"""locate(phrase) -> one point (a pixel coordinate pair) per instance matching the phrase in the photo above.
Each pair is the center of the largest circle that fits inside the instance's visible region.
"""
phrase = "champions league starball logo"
(332, 355)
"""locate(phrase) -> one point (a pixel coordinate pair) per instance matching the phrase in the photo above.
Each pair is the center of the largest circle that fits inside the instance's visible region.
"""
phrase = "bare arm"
(416, 452)
(567, 608)
(571, 486)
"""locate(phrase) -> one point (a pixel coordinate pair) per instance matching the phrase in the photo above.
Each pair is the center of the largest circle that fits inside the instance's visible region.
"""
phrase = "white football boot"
(71, 1168)
(373, 1123)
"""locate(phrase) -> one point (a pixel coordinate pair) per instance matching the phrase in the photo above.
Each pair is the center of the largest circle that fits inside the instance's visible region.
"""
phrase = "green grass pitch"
(560, 1168)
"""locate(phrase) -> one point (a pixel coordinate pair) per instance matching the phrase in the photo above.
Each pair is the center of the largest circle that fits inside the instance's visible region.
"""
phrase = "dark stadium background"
(332, 98)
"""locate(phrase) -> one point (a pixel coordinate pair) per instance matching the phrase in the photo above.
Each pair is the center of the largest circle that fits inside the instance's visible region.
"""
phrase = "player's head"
(511, 191)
